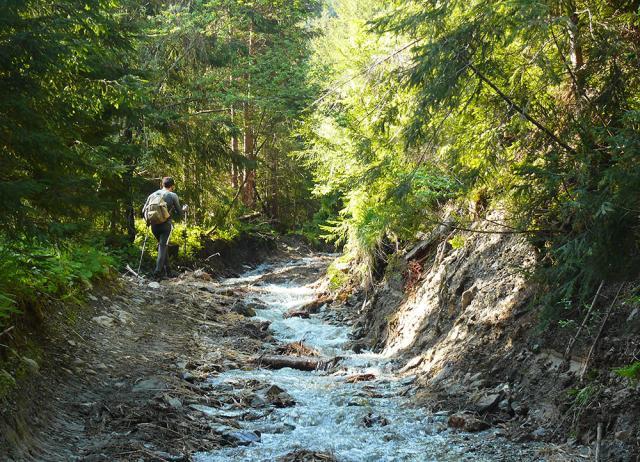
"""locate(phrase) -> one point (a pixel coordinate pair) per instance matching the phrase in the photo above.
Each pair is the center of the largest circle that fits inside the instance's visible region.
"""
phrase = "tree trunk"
(575, 45)
(248, 196)
(234, 150)
(248, 193)
(130, 215)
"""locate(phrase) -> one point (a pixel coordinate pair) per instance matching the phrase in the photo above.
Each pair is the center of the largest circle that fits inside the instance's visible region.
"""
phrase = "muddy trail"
(192, 369)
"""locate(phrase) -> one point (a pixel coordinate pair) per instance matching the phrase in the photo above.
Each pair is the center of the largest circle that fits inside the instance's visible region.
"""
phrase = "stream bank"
(171, 371)
(465, 323)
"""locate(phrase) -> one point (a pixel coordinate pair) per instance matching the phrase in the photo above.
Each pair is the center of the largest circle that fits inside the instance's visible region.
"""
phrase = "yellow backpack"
(157, 211)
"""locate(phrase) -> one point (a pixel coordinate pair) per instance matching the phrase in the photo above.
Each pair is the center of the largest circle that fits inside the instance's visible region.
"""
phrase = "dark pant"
(162, 232)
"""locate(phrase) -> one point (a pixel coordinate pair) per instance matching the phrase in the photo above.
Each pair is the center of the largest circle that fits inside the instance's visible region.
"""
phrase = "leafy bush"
(632, 371)
(33, 273)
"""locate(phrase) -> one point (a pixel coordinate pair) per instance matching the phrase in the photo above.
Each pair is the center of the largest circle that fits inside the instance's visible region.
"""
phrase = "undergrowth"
(35, 273)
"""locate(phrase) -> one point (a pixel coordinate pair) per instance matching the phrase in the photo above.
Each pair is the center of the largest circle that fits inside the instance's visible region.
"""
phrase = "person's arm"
(177, 207)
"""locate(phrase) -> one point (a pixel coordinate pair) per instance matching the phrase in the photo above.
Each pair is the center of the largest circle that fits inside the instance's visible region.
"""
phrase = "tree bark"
(303, 363)
(234, 150)
(576, 54)
(248, 197)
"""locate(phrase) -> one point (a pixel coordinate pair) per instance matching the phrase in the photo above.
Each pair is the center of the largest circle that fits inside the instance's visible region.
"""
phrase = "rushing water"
(329, 414)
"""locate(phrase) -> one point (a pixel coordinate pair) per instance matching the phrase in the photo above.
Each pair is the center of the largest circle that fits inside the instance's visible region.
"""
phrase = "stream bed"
(364, 421)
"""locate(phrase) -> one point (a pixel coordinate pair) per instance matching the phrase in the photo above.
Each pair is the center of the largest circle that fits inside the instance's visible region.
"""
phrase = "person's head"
(168, 183)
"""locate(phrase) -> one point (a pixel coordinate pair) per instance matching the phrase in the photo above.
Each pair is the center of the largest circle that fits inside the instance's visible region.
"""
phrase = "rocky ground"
(463, 322)
(128, 377)
(125, 380)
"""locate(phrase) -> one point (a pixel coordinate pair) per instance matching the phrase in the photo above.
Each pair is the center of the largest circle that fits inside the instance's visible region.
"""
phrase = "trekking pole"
(186, 223)
(144, 244)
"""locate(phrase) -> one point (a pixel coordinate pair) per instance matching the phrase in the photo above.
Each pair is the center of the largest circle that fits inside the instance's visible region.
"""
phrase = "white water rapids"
(329, 413)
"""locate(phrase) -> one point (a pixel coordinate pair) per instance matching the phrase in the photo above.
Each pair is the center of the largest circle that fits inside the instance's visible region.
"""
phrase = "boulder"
(278, 397)
(467, 422)
(243, 309)
(487, 403)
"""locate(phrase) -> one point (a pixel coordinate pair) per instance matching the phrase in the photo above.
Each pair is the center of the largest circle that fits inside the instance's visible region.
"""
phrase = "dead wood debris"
(297, 349)
(304, 455)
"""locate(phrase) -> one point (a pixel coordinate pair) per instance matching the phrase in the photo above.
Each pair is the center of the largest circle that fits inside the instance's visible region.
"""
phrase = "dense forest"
(352, 120)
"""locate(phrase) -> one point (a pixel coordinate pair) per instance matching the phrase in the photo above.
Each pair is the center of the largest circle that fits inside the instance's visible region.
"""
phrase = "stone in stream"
(278, 397)
(243, 309)
(243, 437)
(371, 419)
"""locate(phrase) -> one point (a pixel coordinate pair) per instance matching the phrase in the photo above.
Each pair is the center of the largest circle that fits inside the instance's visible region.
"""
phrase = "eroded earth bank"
(263, 367)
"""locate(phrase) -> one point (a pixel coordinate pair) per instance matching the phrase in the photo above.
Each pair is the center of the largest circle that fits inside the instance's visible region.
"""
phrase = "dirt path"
(124, 382)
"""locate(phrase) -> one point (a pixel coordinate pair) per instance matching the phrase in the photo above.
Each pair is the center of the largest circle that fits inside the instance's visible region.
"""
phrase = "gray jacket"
(173, 203)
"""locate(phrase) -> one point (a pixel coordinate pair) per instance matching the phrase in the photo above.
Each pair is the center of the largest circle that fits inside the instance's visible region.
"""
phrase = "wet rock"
(258, 402)
(150, 384)
(303, 455)
(257, 306)
(371, 420)
(360, 378)
(296, 313)
(243, 309)
(467, 422)
(297, 349)
(278, 397)
(358, 347)
(243, 437)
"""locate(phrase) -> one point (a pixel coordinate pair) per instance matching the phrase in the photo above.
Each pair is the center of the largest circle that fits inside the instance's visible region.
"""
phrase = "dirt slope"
(462, 322)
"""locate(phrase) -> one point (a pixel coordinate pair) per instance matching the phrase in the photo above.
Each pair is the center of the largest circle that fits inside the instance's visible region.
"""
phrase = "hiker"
(160, 208)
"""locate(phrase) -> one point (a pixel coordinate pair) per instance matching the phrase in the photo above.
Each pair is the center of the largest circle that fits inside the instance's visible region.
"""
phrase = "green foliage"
(536, 104)
(355, 143)
(31, 274)
(337, 274)
(457, 242)
(631, 372)
(582, 396)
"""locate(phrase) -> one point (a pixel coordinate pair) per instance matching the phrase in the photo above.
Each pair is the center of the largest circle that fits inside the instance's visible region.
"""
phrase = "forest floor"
(169, 371)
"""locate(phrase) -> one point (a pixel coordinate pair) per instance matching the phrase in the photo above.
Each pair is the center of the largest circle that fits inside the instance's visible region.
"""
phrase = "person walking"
(158, 211)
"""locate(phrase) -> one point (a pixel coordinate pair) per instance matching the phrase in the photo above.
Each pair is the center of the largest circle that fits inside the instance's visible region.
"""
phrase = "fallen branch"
(301, 363)
(604, 321)
(128, 268)
(584, 322)
(6, 331)
(598, 441)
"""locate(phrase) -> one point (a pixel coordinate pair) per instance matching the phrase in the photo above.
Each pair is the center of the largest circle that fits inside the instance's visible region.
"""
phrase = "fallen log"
(302, 363)
(293, 313)
(314, 306)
